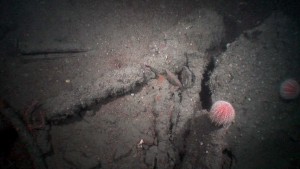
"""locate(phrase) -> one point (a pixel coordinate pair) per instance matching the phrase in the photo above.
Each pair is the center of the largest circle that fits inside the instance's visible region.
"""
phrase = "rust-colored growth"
(161, 79)
(117, 64)
(117, 61)
(158, 97)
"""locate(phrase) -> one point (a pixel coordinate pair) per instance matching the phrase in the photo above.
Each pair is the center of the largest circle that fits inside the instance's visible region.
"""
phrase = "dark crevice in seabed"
(205, 94)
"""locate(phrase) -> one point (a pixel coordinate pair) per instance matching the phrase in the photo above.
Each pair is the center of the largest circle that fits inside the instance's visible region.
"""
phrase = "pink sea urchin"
(222, 113)
(289, 89)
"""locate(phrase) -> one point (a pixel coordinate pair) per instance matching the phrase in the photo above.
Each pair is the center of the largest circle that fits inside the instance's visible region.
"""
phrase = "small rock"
(172, 78)
(163, 161)
(121, 152)
(227, 45)
(80, 159)
(90, 113)
(162, 146)
(148, 140)
(186, 77)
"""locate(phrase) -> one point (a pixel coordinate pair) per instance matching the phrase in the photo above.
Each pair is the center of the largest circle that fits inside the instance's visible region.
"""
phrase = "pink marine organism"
(289, 89)
(222, 113)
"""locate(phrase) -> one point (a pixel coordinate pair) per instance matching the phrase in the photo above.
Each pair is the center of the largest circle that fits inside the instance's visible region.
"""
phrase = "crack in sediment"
(155, 163)
(228, 157)
(182, 153)
(95, 105)
(205, 94)
(175, 115)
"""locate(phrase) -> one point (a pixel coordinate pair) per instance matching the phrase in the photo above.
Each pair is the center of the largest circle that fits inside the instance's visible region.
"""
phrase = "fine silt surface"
(128, 84)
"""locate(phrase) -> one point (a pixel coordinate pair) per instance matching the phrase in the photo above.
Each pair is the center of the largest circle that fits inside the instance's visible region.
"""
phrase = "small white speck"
(132, 94)
(68, 81)
(227, 45)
